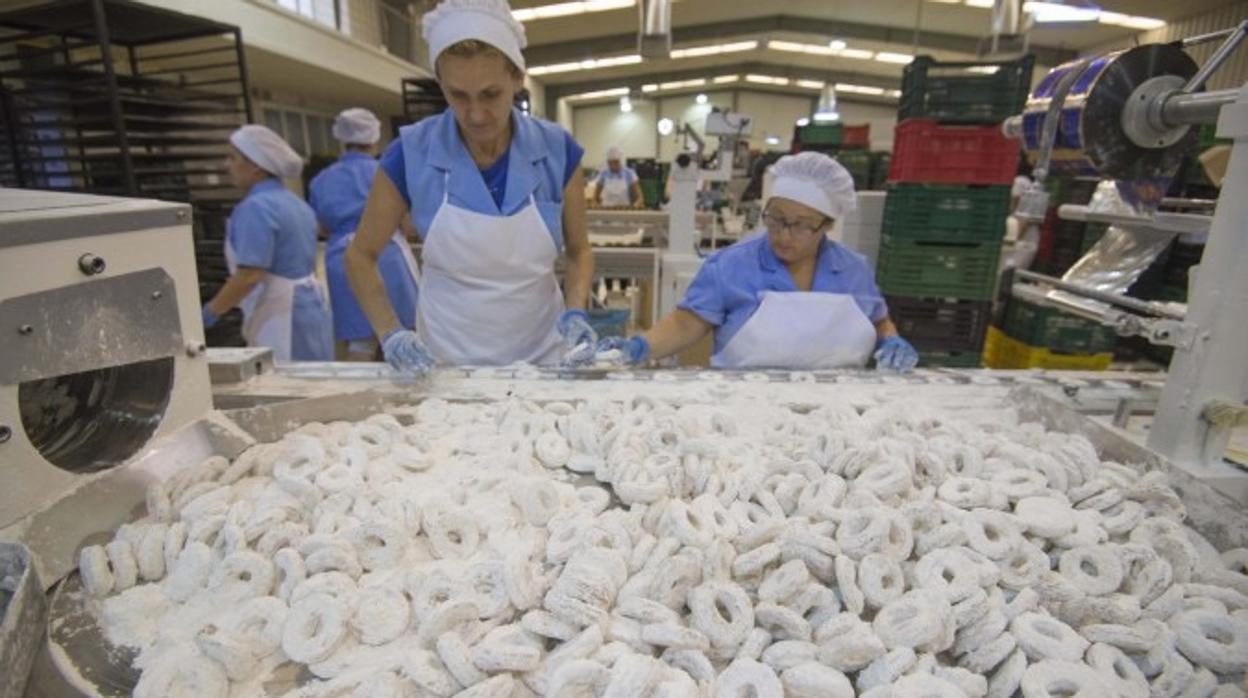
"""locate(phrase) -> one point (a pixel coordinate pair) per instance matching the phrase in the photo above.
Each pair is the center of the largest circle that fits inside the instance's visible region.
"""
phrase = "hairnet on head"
(614, 153)
(816, 180)
(490, 21)
(357, 126)
(267, 149)
(1020, 185)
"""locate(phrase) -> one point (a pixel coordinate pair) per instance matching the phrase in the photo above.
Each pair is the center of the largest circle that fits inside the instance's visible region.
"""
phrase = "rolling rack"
(116, 97)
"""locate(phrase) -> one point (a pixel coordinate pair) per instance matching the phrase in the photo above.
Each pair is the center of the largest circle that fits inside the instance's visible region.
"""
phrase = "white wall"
(601, 126)
(597, 126)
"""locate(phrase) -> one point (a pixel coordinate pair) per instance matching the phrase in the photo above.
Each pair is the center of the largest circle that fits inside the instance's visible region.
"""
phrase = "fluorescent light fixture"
(894, 93)
(772, 140)
(856, 54)
(1130, 21)
(714, 49)
(650, 87)
(563, 9)
(803, 121)
(859, 89)
(982, 4)
(811, 84)
(766, 79)
(795, 47)
(984, 69)
(1051, 12)
(666, 126)
(890, 57)
(701, 98)
(837, 45)
(725, 79)
(626, 105)
(678, 84)
(597, 94)
(827, 117)
(587, 64)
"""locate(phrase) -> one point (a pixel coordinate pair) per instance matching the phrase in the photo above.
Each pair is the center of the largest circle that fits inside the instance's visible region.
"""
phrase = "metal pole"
(114, 96)
(1197, 108)
(1132, 304)
(1213, 367)
(1217, 59)
(242, 73)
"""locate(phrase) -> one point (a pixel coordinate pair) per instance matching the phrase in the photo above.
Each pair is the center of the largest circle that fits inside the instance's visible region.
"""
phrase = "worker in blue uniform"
(338, 194)
(270, 249)
(786, 298)
(495, 196)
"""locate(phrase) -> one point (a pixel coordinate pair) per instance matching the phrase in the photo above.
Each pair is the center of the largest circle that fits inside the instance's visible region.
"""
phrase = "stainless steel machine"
(1129, 116)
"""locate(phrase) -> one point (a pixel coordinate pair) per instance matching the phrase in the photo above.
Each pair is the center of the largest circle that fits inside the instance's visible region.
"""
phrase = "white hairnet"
(1021, 183)
(614, 153)
(267, 149)
(816, 180)
(453, 21)
(357, 126)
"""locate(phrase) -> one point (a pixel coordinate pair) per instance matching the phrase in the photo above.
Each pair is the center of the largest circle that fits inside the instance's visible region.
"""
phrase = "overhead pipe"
(654, 39)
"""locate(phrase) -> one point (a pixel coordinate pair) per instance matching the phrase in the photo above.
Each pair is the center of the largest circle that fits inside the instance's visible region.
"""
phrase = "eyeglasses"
(777, 226)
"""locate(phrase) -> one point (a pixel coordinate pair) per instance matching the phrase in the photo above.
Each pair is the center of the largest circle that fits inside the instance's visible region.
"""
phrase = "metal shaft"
(1198, 108)
(1218, 58)
(1132, 304)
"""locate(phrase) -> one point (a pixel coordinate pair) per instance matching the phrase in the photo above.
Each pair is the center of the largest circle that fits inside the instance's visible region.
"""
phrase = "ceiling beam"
(590, 47)
(634, 82)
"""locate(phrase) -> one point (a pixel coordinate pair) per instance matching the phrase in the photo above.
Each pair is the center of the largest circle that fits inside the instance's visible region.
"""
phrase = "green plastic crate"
(858, 162)
(946, 213)
(947, 270)
(820, 134)
(950, 359)
(1042, 326)
(651, 190)
(956, 93)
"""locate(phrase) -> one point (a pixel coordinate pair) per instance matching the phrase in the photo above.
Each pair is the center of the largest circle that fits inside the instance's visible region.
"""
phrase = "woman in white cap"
(494, 195)
(338, 194)
(788, 298)
(617, 185)
(270, 248)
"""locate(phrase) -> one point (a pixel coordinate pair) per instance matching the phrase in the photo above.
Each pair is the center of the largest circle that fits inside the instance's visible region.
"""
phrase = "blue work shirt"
(429, 154)
(338, 194)
(274, 230)
(628, 173)
(729, 286)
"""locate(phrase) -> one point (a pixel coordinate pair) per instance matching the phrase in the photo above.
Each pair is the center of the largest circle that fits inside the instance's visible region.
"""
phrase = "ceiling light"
(772, 140)
(587, 64)
(650, 88)
(795, 47)
(803, 121)
(666, 126)
(811, 84)
(859, 89)
(983, 4)
(1130, 21)
(596, 94)
(766, 80)
(894, 93)
(563, 9)
(724, 79)
(984, 69)
(857, 54)
(890, 57)
(1052, 12)
(678, 84)
(837, 45)
(700, 99)
(714, 49)
(626, 105)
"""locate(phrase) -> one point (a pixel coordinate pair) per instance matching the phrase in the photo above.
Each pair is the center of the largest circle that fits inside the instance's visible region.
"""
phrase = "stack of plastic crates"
(948, 197)
(1037, 336)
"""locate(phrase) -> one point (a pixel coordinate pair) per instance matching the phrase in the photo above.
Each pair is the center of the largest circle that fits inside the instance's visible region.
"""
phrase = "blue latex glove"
(405, 352)
(633, 350)
(895, 354)
(575, 328)
(210, 319)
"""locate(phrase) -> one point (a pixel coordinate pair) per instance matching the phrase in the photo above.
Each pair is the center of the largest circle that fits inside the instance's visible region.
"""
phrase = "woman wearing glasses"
(788, 298)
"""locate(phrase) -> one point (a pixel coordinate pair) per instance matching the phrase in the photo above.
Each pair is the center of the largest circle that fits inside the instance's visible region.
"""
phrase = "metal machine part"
(101, 339)
(23, 616)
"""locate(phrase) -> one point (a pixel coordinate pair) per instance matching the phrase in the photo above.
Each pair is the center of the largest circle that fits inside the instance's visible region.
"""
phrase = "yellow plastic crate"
(1003, 351)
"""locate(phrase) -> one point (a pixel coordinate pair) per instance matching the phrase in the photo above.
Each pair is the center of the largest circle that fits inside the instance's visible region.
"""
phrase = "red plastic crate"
(927, 152)
(856, 136)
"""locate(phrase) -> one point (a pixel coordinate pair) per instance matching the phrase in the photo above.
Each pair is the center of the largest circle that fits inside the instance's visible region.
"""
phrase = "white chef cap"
(490, 21)
(1021, 183)
(816, 180)
(614, 153)
(267, 149)
(357, 126)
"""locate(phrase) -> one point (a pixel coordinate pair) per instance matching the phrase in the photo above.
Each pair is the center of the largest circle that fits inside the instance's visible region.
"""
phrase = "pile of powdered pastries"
(758, 551)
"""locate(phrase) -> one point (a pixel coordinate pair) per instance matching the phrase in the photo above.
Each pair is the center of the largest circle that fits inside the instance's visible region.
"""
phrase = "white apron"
(801, 330)
(488, 295)
(615, 191)
(268, 309)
